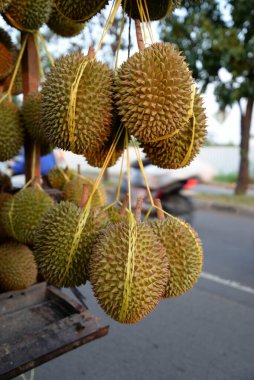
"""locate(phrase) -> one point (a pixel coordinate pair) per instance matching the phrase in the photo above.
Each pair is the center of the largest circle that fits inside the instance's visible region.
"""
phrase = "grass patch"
(226, 178)
(245, 200)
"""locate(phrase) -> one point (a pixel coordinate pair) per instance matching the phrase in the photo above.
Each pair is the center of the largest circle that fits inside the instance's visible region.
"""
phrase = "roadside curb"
(234, 209)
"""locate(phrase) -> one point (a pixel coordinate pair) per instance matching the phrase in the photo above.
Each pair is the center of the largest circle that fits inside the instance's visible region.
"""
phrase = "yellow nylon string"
(45, 48)
(10, 214)
(141, 12)
(165, 137)
(120, 36)
(188, 154)
(148, 21)
(33, 161)
(120, 179)
(64, 174)
(35, 36)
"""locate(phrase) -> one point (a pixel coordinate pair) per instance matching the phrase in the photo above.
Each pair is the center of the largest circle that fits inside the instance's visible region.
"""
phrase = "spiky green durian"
(184, 252)
(5, 183)
(73, 191)
(93, 111)
(28, 15)
(62, 25)
(58, 177)
(154, 92)
(31, 114)
(128, 271)
(116, 215)
(17, 88)
(177, 152)
(17, 267)
(11, 131)
(4, 4)
(4, 197)
(62, 251)
(7, 54)
(152, 10)
(80, 10)
(22, 214)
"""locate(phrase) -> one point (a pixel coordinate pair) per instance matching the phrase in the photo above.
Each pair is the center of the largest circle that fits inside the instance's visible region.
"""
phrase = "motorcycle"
(172, 192)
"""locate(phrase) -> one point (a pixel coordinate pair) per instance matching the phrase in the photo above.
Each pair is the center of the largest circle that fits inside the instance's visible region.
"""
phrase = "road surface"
(207, 334)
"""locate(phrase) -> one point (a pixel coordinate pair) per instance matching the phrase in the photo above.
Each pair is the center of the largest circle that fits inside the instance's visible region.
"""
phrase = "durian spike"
(138, 209)
(160, 213)
(124, 205)
(139, 35)
(85, 196)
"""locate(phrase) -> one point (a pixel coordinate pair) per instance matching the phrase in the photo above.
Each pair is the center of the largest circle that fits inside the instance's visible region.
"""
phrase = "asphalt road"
(207, 334)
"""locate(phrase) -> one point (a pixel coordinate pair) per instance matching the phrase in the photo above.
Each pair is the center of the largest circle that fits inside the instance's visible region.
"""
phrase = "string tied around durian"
(44, 45)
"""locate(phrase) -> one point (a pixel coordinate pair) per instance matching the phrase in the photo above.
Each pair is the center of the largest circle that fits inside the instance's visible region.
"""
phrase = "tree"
(217, 35)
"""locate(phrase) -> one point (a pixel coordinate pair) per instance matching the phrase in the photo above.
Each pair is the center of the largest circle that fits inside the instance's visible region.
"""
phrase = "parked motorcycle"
(172, 192)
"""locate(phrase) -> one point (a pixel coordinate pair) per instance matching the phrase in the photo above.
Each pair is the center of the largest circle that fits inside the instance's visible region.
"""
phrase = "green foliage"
(214, 35)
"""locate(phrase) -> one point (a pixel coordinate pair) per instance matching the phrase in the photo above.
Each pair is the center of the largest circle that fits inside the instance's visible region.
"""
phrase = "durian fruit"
(5, 183)
(11, 131)
(18, 269)
(128, 271)
(62, 25)
(93, 111)
(177, 152)
(4, 4)
(4, 197)
(17, 88)
(154, 92)
(80, 10)
(31, 115)
(7, 54)
(73, 190)
(184, 252)
(62, 250)
(28, 15)
(22, 214)
(155, 9)
(58, 177)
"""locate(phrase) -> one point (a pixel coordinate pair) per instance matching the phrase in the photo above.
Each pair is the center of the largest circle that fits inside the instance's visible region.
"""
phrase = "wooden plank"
(30, 83)
(55, 340)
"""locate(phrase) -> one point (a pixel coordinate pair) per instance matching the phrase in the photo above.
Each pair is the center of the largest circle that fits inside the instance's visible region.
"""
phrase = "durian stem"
(91, 53)
(160, 213)
(139, 35)
(124, 205)
(138, 209)
(85, 195)
(79, 170)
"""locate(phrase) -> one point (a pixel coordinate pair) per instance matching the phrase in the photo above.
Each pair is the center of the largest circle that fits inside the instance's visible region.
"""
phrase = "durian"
(152, 10)
(62, 250)
(5, 183)
(17, 88)
(17, 267)
(58, 177)
(11, 131)
(93, 111)
(7, 54)
(73, 190)
(4, 197)
(80, 10)
(28, 15)
(184, 252)
(128, 271)
(177, 152)
(31, 114)
(4, 4)
(62, 25)
(22, 214)
(154, 92)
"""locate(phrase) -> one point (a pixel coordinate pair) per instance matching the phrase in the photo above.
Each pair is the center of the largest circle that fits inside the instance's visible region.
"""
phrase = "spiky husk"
(115, 215)
(156, 9)
(31, 114)
(62, 25)
(62, 260)
(28, 15)
(179, 151)
(93, 114)
(11, 131)
(4, 197)
(7, 54)
(17, 267)
(73, 191)
(108, 271)
(4, 4)
(17, 88)
(5, 183)
(153, 92)
(80, 10)
(58, 177)
(22, 214)
(184, 252)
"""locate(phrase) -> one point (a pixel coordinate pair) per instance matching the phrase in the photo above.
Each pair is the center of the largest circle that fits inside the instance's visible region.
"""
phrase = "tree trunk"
(243, 175)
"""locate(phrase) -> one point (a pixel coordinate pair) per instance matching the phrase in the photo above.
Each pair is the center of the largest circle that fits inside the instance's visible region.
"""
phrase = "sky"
(226, 132)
